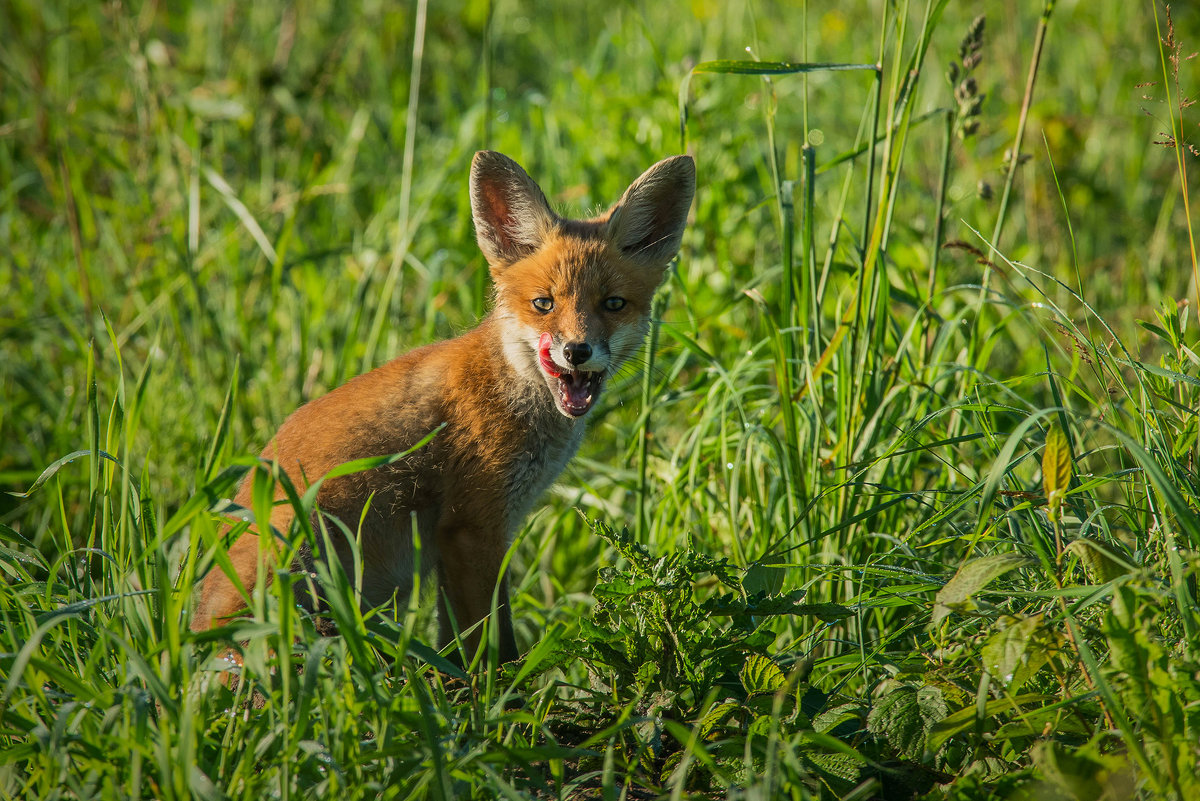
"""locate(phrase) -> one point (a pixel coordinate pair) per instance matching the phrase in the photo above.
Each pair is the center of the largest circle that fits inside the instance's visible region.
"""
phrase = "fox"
(509, 400)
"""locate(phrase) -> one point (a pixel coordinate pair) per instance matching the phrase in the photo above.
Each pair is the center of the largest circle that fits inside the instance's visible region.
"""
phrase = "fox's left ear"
(647, 223)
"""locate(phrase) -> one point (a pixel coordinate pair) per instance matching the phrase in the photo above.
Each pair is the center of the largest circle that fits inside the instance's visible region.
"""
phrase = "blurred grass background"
(135, 136)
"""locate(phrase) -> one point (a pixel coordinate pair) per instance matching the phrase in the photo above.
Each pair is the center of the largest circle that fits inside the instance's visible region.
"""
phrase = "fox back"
(571, 305)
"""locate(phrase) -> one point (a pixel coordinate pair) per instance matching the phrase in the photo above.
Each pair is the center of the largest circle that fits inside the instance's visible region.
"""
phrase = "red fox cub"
(571, 304)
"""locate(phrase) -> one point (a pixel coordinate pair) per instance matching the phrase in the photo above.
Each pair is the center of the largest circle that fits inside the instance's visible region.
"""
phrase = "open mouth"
(577, 389)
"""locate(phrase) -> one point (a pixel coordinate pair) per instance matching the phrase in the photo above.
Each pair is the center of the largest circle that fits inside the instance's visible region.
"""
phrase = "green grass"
(902, 501)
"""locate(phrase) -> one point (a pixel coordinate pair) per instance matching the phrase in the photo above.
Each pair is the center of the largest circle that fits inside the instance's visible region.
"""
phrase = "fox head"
(573, 296)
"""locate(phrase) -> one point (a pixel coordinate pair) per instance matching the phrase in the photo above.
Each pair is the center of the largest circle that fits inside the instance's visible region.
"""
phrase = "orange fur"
(513, 392)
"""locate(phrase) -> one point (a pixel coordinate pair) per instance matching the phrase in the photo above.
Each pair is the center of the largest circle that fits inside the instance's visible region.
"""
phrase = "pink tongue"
(576, 385)
(545, 342)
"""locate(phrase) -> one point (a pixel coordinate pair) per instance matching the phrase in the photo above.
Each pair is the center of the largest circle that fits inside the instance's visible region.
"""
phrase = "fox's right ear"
(511, 214)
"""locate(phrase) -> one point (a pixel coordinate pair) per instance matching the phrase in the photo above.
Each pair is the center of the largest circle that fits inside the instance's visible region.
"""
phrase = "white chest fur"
(538, 465)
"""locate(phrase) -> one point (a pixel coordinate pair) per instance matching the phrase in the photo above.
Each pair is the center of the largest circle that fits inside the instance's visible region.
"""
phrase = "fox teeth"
(563, 395)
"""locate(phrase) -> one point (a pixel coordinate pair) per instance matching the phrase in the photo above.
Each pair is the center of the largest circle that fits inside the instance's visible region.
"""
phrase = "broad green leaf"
(1084, 775)
(1056, 467)
(765, 576)
(1104, 562)
(1014, 653)
(716, 716)
(826, 721)
(972, 577)
(761, 675)
(839, 759)
(761, 726)
(904, 717)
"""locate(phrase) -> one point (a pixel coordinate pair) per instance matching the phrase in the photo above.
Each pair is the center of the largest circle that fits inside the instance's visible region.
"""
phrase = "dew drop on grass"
(729, 465)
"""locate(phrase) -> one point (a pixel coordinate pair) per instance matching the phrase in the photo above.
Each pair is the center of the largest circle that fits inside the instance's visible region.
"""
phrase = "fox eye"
(543, 304)
(614, 304)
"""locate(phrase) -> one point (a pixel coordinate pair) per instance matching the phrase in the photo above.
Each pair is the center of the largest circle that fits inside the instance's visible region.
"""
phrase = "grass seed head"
(967, 97)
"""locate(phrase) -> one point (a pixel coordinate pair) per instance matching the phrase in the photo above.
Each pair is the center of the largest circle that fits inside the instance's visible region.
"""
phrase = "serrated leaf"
(763, 577)
(1056, 467)
(972, 577)
(761, 726)
(647, 674)
(761, 675)
(829, 719)
(826, 613)
(716, 716)
(838, 766)
(620, 587)
(905, 716)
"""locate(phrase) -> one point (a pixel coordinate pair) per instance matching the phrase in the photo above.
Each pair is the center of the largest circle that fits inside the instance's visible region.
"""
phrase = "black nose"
(577, 352)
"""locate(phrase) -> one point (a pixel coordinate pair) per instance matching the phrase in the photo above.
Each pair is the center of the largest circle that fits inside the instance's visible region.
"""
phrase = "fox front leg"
(469, 572)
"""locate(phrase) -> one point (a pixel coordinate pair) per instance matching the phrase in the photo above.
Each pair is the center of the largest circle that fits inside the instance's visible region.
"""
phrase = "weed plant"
(901, 500)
